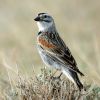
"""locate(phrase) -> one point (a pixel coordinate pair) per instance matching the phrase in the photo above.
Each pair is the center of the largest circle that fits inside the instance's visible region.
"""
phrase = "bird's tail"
(79, 85)
(73, 77)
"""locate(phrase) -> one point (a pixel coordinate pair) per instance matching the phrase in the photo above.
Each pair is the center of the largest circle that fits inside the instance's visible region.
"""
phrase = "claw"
(58, 77)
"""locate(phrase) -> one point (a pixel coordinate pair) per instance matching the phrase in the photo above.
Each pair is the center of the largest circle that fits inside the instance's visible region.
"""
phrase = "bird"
(53, 50)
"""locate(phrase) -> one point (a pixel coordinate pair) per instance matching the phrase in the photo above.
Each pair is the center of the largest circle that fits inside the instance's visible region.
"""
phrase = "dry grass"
(47, 87)
(78, 21)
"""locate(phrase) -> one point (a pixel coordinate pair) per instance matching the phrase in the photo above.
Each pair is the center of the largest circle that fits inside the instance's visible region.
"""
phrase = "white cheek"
(40, 26)
(43, 26)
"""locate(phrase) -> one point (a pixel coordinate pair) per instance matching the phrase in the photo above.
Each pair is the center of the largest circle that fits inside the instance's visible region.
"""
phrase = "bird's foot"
(58, 77)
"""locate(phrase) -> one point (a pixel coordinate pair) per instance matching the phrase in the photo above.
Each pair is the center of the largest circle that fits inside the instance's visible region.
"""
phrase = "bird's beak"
(37, 18)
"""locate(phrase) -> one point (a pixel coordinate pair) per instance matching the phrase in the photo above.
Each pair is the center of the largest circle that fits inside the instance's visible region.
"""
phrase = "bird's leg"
(53, 74)
(60, 75)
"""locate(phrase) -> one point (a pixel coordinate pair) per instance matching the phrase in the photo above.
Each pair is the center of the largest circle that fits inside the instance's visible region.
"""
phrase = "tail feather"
(80, 73)
(73, 77)
(79, 85)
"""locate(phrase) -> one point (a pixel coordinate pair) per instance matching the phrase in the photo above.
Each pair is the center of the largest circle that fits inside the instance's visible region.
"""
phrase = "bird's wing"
(60, 51)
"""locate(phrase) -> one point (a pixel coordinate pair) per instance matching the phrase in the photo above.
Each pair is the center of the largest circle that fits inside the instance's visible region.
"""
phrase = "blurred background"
(77, 21)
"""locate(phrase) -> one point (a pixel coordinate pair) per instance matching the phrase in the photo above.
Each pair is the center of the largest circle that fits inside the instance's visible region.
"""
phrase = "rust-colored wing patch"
(44, 43)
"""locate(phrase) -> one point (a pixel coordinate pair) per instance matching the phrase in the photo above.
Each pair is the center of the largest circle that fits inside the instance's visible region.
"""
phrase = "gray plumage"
(53, 50)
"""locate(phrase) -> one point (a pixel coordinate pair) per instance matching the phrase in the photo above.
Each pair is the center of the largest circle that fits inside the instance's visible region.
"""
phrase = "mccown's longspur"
(53, 50)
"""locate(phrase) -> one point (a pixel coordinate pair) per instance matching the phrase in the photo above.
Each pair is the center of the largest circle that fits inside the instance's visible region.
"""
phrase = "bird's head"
(44, 21)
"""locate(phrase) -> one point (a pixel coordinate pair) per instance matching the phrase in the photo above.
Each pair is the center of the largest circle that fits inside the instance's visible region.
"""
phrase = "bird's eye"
(45, 16)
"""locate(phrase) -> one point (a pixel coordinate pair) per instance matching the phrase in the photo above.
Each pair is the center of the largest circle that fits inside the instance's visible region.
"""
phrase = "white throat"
(43, 26)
